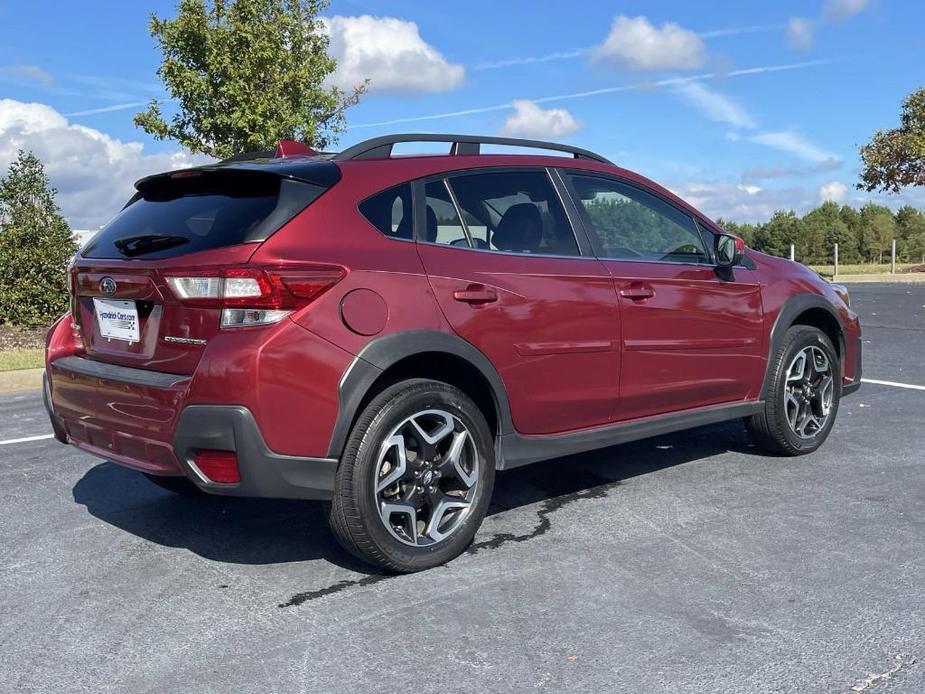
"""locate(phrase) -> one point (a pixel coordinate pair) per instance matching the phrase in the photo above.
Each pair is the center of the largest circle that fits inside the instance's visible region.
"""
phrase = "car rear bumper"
(263, 472)
(137, 418)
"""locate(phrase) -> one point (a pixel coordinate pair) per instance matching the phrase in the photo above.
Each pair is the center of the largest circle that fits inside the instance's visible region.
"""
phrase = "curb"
(886, 278)
(20, 380)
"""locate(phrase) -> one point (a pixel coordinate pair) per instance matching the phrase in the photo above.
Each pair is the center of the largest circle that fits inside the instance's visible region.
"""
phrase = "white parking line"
(892, 383)
(26, 439)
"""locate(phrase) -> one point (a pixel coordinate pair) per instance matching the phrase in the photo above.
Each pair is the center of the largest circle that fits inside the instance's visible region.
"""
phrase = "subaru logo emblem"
(108, 285)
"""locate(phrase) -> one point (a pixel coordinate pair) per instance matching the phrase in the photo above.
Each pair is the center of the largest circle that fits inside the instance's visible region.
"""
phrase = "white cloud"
(390, 53)
(26, 73)
(92, 171)
(529, 120)
(833, 190)
(715, 106)
(749, 203)
(792, 143)
(743, 203)
(634, 43)
(840, 10)
(800, 33)
(763, 172)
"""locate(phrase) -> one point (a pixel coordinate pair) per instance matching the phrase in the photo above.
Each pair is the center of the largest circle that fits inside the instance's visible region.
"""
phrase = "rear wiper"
(148, 243)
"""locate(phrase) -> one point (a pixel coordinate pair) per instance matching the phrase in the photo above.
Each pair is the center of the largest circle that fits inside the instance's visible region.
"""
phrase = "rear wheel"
(415, 479)
(803, 396)
(177, 485)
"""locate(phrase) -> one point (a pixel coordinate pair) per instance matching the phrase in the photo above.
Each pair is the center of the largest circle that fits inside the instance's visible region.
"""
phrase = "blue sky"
(742, 108)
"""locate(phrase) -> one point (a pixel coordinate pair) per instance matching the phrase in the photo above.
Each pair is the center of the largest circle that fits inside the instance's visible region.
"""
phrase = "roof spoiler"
(284, 148)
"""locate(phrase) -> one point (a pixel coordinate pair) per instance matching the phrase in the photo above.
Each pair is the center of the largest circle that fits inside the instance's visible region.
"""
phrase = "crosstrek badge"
(117, 320)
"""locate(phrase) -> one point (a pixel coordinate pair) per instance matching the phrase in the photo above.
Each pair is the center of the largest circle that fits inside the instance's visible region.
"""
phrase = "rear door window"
(176, 216)
(515, 212)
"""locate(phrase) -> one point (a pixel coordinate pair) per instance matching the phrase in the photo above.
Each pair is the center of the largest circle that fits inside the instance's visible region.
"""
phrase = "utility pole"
(835, 274)
(792, 251)
(893, 259)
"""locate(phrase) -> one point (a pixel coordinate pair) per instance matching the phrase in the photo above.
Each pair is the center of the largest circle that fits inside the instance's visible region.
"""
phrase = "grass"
(13, 359)
(861, 269)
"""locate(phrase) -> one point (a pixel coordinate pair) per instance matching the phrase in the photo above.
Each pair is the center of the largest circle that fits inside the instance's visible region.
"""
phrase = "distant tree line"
(863, 236)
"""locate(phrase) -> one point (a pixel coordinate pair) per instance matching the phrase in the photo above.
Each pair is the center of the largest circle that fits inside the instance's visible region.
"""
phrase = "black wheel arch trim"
(383, 352)
(789, 312)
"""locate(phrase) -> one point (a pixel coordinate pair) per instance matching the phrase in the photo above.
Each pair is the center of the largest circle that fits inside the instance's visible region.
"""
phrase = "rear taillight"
(255, 295)
(72, 303)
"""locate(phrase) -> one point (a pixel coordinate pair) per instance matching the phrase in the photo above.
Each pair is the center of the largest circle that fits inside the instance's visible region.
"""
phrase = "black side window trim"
(566, 174)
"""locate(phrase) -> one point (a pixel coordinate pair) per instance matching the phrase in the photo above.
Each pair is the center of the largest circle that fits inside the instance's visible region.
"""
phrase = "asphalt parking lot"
(687, 563)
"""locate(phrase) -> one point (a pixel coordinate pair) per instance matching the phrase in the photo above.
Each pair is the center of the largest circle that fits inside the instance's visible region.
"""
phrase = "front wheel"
(415, 479)
(803, 395)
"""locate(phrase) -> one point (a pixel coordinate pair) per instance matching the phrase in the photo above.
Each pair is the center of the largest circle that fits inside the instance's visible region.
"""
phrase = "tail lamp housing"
(254, 295)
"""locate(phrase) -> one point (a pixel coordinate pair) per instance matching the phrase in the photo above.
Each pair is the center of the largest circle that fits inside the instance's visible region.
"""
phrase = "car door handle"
(637, 291)
(476, 294)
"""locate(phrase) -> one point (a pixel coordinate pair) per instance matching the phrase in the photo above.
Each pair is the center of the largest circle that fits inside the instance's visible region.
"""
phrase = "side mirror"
(728, 250)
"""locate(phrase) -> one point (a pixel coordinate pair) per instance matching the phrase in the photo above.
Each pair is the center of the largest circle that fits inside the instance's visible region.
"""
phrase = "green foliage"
(245, 74)
(863, 236)
(35, 245)
(910, 227)
(878, 229)
(615, 217)
(825, 227)
(894, 159)
(778, 233)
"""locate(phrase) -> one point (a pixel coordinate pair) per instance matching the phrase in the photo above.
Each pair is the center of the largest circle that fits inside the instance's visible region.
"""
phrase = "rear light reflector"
(253, 295)
(219, 466)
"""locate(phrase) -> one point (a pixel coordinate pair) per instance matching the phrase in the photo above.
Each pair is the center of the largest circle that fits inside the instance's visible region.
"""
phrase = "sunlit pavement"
(690, 562)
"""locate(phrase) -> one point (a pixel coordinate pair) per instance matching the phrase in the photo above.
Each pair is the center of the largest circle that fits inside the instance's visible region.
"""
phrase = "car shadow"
(273, 531)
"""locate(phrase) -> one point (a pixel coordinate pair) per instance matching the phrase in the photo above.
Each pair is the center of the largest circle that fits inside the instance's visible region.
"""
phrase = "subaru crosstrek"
(385, 332)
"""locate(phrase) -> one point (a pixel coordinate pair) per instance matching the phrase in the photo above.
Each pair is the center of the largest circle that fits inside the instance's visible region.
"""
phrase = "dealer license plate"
(117, 320)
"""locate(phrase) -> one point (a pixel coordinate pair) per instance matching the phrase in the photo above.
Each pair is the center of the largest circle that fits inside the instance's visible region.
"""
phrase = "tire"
(175, 484)
(791, 393)
(423, 513)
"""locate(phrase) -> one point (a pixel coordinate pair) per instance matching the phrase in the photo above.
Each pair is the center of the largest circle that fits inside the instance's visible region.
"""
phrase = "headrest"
(520, 229)
(430, 234)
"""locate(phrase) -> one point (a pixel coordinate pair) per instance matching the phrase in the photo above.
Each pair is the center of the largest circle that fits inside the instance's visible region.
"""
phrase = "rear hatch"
(192, 223)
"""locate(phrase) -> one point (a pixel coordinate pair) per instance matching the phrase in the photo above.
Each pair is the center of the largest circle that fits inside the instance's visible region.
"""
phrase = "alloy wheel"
(426, 477)
(809, 391)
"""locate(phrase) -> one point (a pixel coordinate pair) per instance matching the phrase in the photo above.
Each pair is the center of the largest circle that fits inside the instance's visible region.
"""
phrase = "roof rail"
(381, 147)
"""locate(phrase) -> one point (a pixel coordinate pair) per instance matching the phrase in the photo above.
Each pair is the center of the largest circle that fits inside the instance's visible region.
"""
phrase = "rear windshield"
(176, 216)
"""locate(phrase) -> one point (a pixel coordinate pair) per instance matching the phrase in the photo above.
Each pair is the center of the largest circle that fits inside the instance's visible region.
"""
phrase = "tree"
(35, 245)
(894, 159)
(910, 228)
(878, 231)
(824, 228)
(780, 231)
(245, 74)
(852, 221)
(745, 231)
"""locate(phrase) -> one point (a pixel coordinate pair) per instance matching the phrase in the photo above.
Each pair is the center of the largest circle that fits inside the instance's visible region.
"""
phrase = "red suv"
(384, 332)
